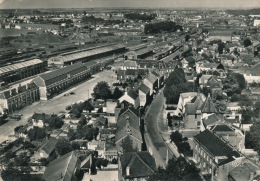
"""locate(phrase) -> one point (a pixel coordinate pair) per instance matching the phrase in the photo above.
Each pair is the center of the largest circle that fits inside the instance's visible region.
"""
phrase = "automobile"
(72, 93)
(66, 94)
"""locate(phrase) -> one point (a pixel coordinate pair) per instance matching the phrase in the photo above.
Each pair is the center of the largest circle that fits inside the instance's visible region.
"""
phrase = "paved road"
(57, 104)
(154, 136)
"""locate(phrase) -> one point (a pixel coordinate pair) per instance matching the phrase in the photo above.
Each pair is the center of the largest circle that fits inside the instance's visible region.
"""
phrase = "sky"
(232, 4)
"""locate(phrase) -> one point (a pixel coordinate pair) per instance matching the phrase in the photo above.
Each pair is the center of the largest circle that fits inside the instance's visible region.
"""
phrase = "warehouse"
(53, 83)
(21, 70)
(138, 54)
(86, 55)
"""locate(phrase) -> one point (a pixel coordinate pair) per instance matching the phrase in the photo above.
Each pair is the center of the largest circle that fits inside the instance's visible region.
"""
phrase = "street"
(156, 135)
(58, 103)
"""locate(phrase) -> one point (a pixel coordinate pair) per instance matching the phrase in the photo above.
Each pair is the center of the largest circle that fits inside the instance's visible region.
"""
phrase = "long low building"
(53, 83)
(21, 70)
(86, 55)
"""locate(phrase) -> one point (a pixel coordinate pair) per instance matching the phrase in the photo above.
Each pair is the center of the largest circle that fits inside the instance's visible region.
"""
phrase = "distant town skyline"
(230, 4)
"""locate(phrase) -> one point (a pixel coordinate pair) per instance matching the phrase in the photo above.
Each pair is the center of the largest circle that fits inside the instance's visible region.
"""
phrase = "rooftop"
(140, 164)
(62, 168)
(20, 65)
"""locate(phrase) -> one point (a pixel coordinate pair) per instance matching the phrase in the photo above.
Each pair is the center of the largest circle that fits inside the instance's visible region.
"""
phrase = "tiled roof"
(49, 145)
(211, 120)
(144, 89)
(214, 83)
(222, 128)
(132, 94)
(130, 115)
(130, 63)
(208, 106)
(216, 146)
(61, 169)
(194, 105)
(242, 171)
(17, 66)
(151, 78)
(140, 164)
(122, 132)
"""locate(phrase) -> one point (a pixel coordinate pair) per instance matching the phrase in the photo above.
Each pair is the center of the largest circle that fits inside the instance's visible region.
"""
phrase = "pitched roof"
(243, 171)
(151, 78)
(129, 115)
(123, 132)
(20, 65)
(61, 74)
(132, 94)
(216, 146)
(221, 128)
(214, 83)
(140, 164)
(194, 105)
(61, 169)
(49, 145)
(144, 89)
(213, 118)
(208, 106)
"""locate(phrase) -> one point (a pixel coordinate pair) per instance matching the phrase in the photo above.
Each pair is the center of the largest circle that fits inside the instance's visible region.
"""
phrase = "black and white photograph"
(129, 90)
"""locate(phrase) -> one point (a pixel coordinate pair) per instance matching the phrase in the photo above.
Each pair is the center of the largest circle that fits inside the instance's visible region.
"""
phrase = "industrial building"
(53, 83)
(21, 70)
(86, 55)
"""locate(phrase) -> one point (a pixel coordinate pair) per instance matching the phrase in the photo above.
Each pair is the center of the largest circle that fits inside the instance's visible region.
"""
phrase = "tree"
(245, 101)
(54, 122)
(88, 106)
(127, 145)
(63, 146)
(257, 109)
(254, 136)
(175, 170)
(247, 42)
(36, 133)
(117, 93)
(176, 137)
(102, 91)
(11, 174)
(247, 115)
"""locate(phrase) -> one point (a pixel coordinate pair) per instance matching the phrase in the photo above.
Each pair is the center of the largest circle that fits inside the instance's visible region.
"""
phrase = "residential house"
(151, 81)
(110, 106)
(63, 168)
(144, 94)
(101, 122)
(38, 119)
(132, 97)
(188, 62)
(136, 166)
(129, 115)
(210, 68)
(192, 114)
(183, 99)
(215, 156)
(98, 145)
(232, 135)
(45, 150)
(128, 132)
(212, 83)
(245, 171)
(129, 64)
(233, 106)
(131, 74)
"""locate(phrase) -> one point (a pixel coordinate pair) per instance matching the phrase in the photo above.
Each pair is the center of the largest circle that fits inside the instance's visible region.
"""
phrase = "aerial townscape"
(129, 94)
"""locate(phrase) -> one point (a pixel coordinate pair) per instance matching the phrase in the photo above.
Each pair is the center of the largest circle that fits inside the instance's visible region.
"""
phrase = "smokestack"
(127, 171)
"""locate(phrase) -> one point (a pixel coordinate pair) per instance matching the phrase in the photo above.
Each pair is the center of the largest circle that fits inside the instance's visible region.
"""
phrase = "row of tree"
(181, 143)
(138, 16)
(160, 27)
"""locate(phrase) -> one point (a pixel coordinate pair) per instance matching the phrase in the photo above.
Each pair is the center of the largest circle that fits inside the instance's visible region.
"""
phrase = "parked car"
(72, 93)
